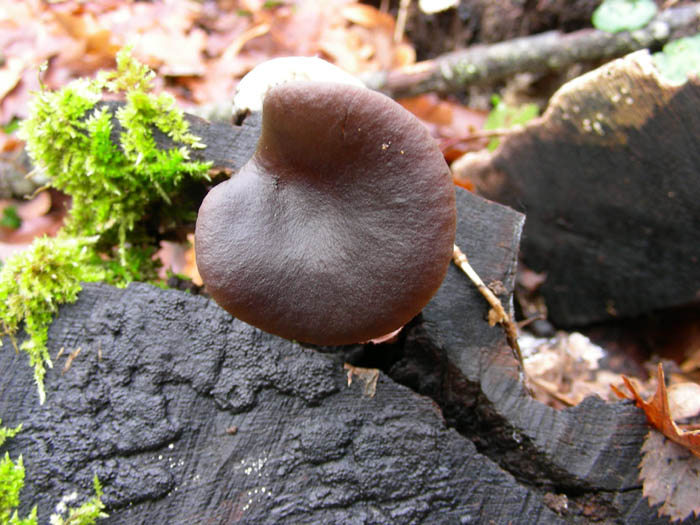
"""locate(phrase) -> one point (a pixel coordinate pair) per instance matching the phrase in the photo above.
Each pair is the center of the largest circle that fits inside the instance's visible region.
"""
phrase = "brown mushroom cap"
(340, 228)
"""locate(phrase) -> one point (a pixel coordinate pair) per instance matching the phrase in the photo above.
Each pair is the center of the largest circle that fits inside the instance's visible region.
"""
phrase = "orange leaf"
(659, 415)
(367, 16)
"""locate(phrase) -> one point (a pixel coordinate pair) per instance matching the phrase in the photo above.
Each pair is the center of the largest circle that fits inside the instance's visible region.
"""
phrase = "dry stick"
(550, 51)
(499, 314)
(401, 18)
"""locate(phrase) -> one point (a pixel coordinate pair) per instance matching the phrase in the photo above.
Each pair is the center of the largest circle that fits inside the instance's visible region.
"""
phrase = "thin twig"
(497, 313)
(401, 18)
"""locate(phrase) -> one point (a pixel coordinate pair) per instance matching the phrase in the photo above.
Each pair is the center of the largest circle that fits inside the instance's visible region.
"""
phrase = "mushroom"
(254, 86)
(341, 226)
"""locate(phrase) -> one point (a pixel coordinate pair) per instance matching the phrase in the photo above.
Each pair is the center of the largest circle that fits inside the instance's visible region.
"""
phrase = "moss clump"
(11, 483)
(35, 282)
(121, 194)
(111, 185)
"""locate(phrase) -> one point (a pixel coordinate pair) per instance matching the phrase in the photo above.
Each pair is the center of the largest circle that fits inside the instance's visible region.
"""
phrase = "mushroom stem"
(497, 314)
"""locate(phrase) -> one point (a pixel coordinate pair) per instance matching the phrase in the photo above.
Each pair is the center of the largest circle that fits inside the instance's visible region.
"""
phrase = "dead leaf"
(659, 414)
(38, 206)
(70, 359)
(249, 34)
(451, 123)
(671, 475)
(15, 103)
(391, 337)
(10, 75)
(369, 376)
(368, 16)
(191, 263)
(43, 215)
(29, 230)
(692, 363)
(684, 400)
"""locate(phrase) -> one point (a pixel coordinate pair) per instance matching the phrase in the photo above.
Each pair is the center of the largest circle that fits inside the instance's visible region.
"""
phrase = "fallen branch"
(549, 51)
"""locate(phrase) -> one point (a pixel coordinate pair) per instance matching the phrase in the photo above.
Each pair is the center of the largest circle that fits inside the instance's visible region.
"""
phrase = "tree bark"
(608, 178)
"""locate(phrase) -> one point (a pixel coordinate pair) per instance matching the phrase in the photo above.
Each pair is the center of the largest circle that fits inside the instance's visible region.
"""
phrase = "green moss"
(35, 282)
(87, 514)
(10, 219)
(614, 16)
(8, 433)
(503, 116)
(115, 188)
(678, 59)
(12, 481)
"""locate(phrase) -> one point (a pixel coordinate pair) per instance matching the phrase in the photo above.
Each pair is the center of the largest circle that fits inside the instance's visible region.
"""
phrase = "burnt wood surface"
(190, 416)
(608, 180)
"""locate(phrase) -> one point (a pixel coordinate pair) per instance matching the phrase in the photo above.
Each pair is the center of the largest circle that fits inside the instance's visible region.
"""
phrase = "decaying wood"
(153, 417)
(188, 415)
(586, 456)
(608, 179)
(550, 51)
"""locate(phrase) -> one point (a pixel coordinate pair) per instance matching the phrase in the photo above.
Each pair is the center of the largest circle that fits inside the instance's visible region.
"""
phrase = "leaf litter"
(217, 43)
(670, 467)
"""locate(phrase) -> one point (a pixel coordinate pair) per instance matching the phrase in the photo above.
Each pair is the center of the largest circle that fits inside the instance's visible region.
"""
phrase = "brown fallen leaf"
(10, 75)
(659, 414)
(190, 268)
(367, 16)
(451, 123)
(565, 369)
(38, 206)
(369, 376)
(671, 475)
